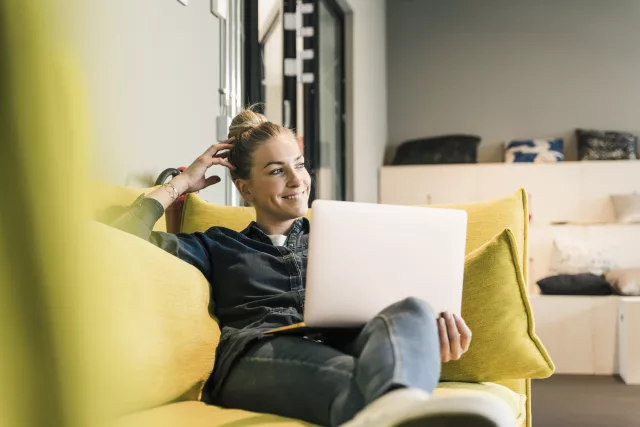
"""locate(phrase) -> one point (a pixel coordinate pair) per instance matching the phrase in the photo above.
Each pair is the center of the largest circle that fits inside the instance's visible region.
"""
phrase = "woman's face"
(279, 183)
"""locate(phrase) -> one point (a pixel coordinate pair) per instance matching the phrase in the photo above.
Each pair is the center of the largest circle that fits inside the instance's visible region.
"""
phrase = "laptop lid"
(364, 257)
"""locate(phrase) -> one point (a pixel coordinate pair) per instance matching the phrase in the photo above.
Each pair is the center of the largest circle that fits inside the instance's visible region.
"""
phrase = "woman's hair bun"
(245, 121)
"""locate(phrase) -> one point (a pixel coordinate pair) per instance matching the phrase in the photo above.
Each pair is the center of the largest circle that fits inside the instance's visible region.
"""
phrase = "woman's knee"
(412, 306)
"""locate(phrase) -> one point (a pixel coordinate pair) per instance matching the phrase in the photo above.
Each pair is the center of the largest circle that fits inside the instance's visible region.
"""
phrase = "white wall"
(512, 69)
(152, 71)
(273, 58)
(366, 70)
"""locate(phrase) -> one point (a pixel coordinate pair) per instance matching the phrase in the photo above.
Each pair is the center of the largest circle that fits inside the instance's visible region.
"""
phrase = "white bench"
(590, 335)
(579, 332)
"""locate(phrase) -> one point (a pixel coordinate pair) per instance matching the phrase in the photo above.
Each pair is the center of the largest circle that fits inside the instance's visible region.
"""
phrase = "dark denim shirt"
(255, 286)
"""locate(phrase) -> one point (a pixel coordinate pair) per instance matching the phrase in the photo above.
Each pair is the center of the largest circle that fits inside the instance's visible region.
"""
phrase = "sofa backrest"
(485, 219)
(200, 215)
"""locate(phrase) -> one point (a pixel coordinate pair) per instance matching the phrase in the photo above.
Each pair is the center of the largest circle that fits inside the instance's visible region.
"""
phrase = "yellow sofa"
(159, 382)
(98, 324)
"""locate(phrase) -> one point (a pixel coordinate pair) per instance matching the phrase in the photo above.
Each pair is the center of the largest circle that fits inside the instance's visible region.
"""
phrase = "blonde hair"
(250, 130)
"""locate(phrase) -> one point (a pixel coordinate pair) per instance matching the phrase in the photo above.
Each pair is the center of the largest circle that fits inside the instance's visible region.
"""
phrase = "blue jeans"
(328, 383)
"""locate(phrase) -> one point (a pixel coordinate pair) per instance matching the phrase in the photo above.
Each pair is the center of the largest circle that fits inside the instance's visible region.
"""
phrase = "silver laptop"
(364, 257)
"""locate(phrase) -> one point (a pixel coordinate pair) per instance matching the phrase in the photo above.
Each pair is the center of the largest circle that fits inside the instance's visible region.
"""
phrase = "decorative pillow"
(488, 218)
(534, 151)
(606, 145)
(200, 215)
(445, 149)
(625, 281)
(497, 310)
(627, 207)
(575, 284)
(575, 257)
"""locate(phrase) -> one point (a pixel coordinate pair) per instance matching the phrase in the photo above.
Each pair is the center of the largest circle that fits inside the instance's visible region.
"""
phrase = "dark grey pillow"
(445, 149)
(575, 284)
(606, 145)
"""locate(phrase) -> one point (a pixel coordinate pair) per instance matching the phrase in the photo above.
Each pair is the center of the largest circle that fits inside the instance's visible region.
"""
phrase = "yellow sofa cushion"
(488, 218)
(104, 195)
(198, 414)
(485, 219)
(162, 340)
(200, 215)
(496, 308)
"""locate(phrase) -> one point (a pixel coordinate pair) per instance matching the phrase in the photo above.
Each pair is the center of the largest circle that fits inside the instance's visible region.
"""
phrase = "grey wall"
(151, 69)
(507, 69)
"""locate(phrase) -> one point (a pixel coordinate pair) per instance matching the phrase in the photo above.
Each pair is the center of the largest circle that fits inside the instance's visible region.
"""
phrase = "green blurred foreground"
(55, 335)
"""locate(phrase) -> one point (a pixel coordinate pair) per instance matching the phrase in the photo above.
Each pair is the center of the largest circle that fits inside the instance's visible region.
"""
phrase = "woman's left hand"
(455, 337)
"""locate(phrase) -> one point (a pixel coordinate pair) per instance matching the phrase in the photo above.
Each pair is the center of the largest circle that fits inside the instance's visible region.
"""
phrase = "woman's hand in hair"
(193, 178)
(455, 337)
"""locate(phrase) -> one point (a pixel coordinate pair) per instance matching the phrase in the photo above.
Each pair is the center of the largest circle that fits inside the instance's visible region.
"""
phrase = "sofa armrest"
(162, 339)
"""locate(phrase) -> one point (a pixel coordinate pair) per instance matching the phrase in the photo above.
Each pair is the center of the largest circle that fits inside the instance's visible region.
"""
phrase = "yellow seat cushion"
(496, 308)
(200, 215)
(104, 195)
(162, 340)
(517, 402)
(198, 414)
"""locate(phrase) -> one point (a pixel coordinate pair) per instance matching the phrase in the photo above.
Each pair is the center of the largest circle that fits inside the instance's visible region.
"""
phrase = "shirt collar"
(253, 231)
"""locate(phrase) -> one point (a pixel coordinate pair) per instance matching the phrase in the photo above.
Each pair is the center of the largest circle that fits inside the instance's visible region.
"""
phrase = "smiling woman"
(269, 172)
(383, 371)
(266, 166)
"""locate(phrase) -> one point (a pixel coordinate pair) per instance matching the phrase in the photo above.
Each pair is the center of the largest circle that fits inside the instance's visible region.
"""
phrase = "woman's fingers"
(224, 145)
(454, 336)
(223, 162)
(214, 179)
(445, 351)
(221, 147)
(465, 333)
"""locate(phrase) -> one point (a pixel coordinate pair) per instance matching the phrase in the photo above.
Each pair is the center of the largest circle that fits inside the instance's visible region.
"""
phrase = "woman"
(382, 374)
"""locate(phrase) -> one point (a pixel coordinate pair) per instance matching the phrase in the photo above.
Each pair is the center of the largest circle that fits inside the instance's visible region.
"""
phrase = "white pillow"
(627, 207)
(625, 281)
(575, 257)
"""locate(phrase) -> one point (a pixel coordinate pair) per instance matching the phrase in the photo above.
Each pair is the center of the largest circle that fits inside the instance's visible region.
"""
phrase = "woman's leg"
(294, 377)
(398, 348)
(299, 378)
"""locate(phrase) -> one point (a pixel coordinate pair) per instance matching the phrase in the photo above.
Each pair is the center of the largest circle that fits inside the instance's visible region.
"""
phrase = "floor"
(585, 401)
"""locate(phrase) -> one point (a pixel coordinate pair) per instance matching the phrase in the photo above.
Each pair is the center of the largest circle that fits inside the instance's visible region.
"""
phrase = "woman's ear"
(243, 188)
